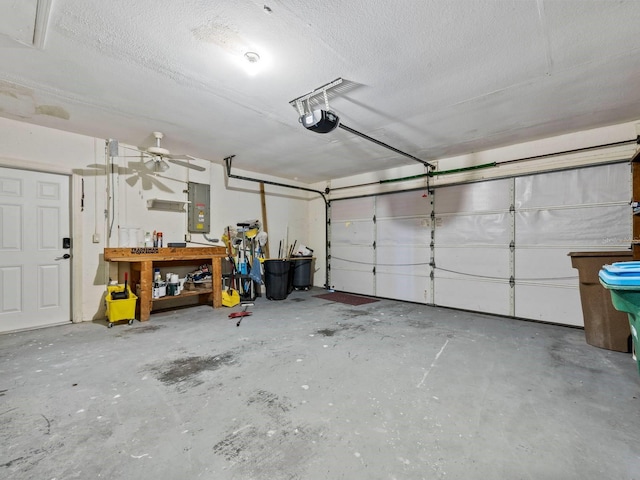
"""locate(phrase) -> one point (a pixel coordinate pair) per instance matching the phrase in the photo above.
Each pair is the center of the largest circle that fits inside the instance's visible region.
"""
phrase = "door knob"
(64, 257)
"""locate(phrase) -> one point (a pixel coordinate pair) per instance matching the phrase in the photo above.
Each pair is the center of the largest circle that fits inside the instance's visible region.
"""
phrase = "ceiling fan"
(160, 157)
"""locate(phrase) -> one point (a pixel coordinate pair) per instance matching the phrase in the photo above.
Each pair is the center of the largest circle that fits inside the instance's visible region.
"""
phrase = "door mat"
(346, 298)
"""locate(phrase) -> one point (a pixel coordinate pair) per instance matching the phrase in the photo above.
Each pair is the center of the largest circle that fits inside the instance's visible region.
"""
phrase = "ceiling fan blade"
(186, 164)
(179, 156)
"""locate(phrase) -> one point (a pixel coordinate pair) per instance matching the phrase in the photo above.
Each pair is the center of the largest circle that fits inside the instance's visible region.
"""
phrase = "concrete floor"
(310, 389)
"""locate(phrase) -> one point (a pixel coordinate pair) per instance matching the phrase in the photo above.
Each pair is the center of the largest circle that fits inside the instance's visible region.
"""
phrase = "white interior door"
(35, 276)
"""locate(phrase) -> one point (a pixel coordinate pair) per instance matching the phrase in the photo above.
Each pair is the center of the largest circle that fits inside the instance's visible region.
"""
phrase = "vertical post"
(146, 286)
(263, 204)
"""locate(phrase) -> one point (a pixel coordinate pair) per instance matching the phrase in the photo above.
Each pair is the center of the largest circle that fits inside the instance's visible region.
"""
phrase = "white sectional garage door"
(497, 246)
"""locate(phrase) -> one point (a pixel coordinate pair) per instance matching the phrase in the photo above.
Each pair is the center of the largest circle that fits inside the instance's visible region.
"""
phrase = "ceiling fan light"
(157, 165)
(161, 166)
(150, 164)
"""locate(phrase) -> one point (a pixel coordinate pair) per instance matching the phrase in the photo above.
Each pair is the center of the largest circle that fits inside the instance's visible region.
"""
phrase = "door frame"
(75, 219)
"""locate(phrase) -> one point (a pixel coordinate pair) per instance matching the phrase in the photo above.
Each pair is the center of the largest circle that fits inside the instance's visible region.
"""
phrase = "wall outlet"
(96, 238)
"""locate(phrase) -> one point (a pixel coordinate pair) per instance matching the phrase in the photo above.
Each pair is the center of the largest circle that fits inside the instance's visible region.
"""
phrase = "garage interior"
(448, 167)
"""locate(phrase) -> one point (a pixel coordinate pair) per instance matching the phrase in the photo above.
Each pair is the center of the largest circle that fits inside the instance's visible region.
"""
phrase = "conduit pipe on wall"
(419, 176)
(228, 162)
(490, 165)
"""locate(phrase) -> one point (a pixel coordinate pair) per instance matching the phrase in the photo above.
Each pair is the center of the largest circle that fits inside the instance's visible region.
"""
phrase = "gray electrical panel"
(199, 207)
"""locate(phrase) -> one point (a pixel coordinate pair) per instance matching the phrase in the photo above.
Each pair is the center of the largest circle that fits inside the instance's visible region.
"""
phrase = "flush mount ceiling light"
(252, 63)
(252, 57)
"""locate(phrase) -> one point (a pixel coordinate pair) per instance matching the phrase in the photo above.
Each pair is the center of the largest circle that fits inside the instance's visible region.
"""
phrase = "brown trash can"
(604, 326)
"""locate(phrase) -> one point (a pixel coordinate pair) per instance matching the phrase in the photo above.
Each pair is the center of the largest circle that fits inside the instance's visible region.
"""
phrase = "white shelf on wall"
(166, 205)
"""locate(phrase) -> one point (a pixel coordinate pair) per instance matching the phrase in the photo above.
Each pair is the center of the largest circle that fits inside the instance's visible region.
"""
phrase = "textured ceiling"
(434, 78)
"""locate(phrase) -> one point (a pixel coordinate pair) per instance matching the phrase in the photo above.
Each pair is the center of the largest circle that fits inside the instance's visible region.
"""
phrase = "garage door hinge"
(512, 246)
(512, 282)
(374, 219)
(374, 244)
(512, 208)
(433, 216)
(374, 270)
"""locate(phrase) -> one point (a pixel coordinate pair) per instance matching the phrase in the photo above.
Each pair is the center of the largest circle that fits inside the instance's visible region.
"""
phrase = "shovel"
(123, 295)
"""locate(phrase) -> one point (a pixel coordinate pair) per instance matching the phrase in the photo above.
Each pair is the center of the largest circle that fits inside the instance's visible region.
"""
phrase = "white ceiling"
(434, 78)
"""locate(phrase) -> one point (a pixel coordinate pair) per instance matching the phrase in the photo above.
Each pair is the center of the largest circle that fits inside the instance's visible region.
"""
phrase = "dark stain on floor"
(187, 369)
(330, 332)
(352, 312)
(419, 323)
(297, 299)
(327, 332)
(270, 401)
(269, 443)
(137, 330)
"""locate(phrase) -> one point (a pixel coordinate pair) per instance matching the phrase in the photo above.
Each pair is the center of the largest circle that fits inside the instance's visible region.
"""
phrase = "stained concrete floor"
(310, 389)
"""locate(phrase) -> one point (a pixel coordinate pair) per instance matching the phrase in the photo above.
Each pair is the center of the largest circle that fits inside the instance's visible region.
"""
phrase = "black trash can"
(301, 277)
(276, 278)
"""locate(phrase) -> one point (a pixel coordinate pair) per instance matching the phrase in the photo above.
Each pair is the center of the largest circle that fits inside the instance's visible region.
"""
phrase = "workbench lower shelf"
(184, 294)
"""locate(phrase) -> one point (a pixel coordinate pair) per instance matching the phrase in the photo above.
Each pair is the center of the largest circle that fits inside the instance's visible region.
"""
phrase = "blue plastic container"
(621, 274)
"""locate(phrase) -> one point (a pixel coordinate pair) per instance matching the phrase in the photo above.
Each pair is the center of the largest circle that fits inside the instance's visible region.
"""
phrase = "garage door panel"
(480, 296)
(481, 229)
(550, 265)
(549, 304)
(601, 184)
(489, 262)
(474, 197)
(403, 260)
(599, 226)
(355, 258)
(357, 208)
(404, 231)
(353, 233)
(353, 281)
(403, 205)
(410, 288)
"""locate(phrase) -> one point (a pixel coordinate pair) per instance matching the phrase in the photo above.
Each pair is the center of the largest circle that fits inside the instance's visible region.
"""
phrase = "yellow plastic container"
(118, 310)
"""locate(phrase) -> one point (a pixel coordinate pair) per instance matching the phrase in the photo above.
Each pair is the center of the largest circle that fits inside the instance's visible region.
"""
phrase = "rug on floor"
(346, 298)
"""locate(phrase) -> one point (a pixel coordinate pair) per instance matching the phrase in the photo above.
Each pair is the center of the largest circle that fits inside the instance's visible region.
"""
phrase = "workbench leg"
(146, 278)
(216, 285)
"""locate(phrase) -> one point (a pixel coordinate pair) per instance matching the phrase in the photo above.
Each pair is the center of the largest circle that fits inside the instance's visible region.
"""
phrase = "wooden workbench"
(144, 259)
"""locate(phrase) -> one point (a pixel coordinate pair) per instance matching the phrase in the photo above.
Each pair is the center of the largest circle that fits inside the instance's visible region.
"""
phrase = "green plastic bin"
(627, 299)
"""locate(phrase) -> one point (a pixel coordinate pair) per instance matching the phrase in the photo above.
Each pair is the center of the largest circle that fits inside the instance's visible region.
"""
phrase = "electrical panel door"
(199, 207)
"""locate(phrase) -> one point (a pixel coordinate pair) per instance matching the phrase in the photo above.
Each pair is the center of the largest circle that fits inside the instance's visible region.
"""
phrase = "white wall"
(37, 148)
